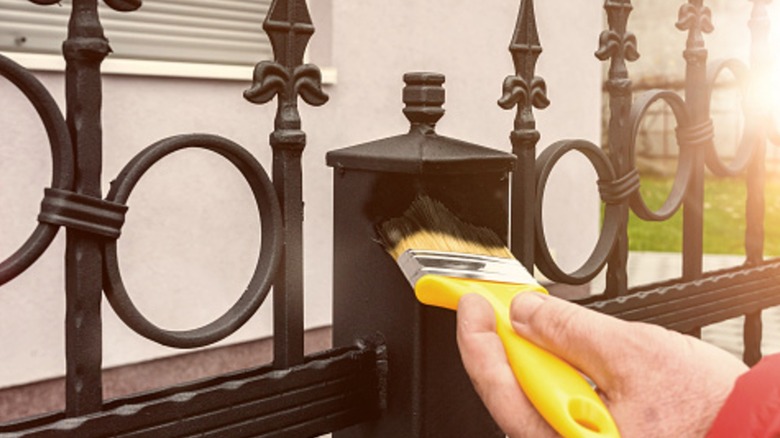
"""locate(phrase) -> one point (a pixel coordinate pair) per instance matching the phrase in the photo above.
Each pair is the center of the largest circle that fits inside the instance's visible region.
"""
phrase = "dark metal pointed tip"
(526, 33)
(289, 27)
(289, 10)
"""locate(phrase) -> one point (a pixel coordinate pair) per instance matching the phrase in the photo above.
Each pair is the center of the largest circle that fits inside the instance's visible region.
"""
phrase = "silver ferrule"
(417, 263)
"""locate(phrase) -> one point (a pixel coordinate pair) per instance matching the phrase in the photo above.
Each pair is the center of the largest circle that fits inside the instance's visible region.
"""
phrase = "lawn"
(724, 218)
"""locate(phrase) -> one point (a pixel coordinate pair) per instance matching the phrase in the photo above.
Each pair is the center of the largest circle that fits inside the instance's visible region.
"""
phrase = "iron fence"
(354, 387)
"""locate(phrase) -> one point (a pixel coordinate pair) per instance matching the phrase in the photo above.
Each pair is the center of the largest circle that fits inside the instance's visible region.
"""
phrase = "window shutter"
(199, 31)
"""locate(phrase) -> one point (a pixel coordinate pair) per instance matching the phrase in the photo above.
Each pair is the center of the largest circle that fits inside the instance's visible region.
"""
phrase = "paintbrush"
(444, 258)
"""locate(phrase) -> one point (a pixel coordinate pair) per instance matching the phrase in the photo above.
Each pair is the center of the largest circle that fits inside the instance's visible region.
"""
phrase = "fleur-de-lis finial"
(524, 89)
(271, 79)
(616, 42)
(612, 44)
(289, 27)
(695, 17)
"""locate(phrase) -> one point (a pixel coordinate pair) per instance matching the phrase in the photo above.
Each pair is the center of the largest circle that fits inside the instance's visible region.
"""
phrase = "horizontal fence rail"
(686, 305)
(329, 391)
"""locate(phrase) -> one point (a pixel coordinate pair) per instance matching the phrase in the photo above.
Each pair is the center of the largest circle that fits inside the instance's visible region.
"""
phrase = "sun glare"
(773, 81)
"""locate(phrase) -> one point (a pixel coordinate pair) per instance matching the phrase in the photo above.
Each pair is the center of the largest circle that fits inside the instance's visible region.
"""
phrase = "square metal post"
(427, 391)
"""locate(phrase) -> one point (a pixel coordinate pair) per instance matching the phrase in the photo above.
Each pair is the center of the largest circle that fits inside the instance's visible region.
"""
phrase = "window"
(200, 38)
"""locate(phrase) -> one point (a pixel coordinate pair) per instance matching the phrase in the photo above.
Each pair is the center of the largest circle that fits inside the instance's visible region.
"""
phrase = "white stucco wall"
(189, 243)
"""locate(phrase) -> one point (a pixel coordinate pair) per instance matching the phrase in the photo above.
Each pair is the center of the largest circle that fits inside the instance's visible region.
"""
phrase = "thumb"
(584, 338)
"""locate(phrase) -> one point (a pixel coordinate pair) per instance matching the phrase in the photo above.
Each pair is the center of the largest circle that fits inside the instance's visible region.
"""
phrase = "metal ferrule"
(417, 263)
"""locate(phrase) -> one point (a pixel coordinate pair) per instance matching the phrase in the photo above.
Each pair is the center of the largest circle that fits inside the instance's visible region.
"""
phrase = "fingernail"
(524, 305)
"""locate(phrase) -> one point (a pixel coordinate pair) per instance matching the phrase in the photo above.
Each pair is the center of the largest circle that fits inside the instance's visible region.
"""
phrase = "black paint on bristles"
(428, 225)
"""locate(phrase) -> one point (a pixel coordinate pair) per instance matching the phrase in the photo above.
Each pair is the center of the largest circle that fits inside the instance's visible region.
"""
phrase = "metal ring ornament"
(267, 263)
(62, 163)
(751, 131)
(686, 155)
(598, 258)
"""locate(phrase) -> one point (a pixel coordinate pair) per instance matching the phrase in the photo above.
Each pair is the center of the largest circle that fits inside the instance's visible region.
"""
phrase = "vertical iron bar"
(758, 123)
(525, 49)
(695, 18)
(289, 28)
(288, 286)
(752, 333)
(618, 45)
(84, 50)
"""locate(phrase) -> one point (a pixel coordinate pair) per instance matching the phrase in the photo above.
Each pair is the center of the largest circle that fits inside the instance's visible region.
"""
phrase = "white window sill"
(137, 67)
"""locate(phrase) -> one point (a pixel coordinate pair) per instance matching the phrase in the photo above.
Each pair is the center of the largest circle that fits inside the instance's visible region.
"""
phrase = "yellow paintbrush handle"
(558, 392)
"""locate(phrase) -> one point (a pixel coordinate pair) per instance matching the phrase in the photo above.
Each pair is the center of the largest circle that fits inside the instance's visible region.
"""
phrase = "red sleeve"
(753, 407)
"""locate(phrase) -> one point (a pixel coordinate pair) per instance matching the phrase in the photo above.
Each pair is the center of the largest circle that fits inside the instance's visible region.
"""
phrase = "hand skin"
(655, 382)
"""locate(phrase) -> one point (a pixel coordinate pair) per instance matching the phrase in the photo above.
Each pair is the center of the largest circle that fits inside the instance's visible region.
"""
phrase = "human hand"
(655, 382)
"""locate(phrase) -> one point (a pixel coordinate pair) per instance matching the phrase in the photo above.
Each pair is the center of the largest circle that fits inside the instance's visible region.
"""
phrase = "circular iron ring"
(686, 155)
(598, 258)
(750, 134)
(62, 164)
(267, 263)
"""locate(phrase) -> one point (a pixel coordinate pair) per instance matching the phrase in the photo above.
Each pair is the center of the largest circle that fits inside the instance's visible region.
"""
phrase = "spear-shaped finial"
(289, 27)
(525, 46)
(524, 89)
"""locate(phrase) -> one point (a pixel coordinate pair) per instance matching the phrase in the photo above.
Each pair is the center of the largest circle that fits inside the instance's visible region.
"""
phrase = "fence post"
(84, 50)
(428, 393)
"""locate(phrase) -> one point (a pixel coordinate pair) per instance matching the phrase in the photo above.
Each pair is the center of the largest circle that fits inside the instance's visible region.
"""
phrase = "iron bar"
(758, 121)
(289, 28)
(525, 91)
(84, 50)
(695, 18)
(618, 45)
(328, 391)
(685, 305)
(752, 333)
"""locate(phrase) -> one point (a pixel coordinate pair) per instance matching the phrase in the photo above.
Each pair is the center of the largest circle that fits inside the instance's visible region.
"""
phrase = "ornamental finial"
(424, 97)
(289, 27)
(525, 46)
(524, 89)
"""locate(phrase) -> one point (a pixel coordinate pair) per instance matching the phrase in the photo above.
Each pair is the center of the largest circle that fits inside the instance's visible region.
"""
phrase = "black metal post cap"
(424, 97)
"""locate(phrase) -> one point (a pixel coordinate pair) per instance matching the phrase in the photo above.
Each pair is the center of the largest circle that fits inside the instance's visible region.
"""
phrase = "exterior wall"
(190, 239)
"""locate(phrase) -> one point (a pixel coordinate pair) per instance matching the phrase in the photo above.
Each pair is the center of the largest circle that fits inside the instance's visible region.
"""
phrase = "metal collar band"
(417, 263)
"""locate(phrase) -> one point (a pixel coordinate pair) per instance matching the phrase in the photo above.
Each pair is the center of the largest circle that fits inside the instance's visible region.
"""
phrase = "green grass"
(724, 218)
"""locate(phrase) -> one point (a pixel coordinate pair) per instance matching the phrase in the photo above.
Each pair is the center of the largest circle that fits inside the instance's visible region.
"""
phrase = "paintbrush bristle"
(429, 225)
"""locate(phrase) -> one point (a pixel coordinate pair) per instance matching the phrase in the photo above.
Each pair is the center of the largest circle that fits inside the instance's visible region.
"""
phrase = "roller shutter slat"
(204, 31)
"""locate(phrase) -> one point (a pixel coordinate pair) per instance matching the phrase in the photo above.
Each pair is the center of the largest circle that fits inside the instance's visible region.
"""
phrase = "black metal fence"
(358, 386)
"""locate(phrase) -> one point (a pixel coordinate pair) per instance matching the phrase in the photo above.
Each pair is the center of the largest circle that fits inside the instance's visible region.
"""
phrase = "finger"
(485, 361)
(584, 338)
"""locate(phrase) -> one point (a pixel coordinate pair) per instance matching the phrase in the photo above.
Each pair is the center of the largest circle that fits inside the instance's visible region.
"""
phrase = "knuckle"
(554, 321)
